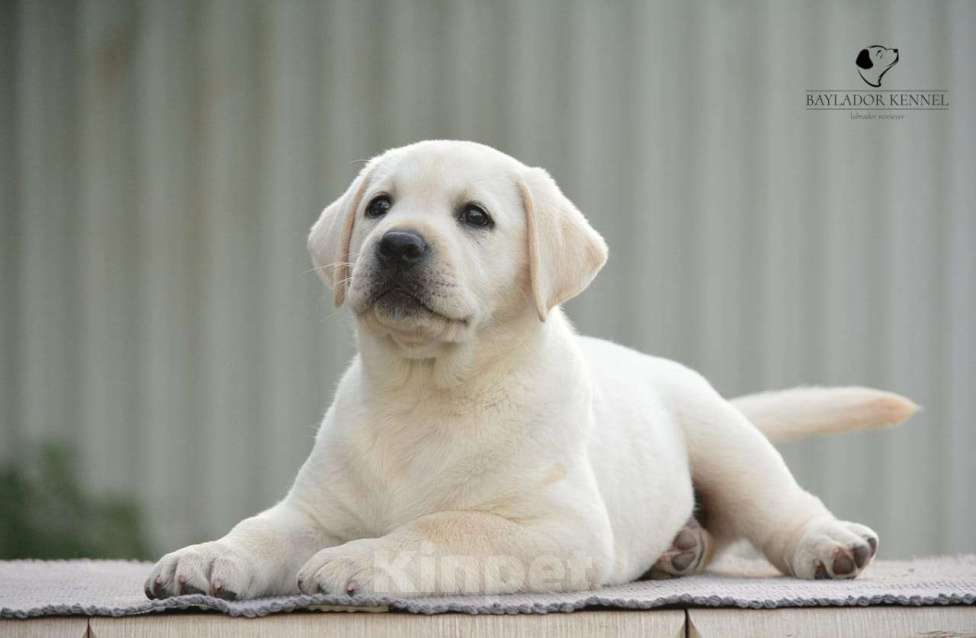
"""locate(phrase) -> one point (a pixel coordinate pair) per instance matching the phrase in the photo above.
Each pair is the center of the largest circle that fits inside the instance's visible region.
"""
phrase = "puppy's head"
(434, 241)
(874, 61)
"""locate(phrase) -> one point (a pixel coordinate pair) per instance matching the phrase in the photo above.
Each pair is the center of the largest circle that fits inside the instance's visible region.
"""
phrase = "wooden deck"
(933, 622)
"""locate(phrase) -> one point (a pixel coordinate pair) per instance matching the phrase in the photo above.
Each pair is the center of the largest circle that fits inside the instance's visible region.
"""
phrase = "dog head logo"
(873, 62)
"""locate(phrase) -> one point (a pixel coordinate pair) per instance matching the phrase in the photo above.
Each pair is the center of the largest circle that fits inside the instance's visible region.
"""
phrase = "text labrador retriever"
(477, 444)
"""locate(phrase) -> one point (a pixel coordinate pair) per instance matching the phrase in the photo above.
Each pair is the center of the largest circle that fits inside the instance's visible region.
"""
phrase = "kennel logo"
(872, 64)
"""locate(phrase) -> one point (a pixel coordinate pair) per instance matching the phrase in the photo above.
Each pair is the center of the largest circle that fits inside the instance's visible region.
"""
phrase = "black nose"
(404, 247)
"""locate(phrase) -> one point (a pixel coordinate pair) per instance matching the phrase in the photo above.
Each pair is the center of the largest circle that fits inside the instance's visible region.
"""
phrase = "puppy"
(478, 444)
(873, 62)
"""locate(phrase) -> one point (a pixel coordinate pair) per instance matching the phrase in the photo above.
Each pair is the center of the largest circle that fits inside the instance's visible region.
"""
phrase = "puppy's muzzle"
(402, 249)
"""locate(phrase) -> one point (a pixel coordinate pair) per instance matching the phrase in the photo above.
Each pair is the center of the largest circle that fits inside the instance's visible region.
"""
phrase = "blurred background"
(166, 354)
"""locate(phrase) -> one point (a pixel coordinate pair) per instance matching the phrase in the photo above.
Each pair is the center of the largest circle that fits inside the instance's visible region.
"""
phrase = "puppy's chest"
(428, 459)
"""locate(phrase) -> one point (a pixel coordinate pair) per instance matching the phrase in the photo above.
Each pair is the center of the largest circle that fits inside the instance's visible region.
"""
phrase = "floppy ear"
(864, 59)
(565, 253)
(328, 241)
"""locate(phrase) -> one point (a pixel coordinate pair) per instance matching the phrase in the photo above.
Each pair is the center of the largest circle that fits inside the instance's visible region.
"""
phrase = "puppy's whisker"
(337, 264)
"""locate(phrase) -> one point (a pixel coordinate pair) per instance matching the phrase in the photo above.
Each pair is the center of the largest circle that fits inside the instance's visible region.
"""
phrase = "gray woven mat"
(114, 588)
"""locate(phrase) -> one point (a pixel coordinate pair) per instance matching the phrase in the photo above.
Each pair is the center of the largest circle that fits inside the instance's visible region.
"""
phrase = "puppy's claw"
(217, 590)
(225, 594)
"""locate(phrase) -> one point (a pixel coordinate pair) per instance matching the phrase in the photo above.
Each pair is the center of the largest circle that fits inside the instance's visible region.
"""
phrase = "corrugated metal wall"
(161, 162)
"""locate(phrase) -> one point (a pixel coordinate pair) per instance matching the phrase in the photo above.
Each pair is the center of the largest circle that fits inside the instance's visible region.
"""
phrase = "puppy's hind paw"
(834, 549)
(687, 555)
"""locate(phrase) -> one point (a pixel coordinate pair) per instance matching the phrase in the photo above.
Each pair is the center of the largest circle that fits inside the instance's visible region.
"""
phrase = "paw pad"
(832, 549)
(686, 555)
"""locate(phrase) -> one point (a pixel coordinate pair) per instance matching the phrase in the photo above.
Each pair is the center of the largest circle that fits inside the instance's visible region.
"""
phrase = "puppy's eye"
(379, 206)
(475, 216)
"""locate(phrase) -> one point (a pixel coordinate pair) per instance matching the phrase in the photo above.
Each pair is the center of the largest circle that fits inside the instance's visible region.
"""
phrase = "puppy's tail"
(788, 415)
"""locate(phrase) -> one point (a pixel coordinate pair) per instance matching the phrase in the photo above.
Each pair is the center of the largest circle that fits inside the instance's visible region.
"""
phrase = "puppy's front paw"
(834, 549)
(344, 569)
(208, 568)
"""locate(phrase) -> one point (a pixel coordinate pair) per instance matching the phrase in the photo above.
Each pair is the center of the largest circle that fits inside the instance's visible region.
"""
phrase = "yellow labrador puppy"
(478, 444)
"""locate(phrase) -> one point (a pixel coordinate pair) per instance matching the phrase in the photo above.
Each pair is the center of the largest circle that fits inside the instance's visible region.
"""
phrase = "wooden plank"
(830, 622)
(43, 627)
(669, 623)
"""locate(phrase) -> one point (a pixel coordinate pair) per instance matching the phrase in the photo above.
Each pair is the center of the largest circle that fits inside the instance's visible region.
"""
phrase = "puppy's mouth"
(410, 318)
(413, 309)
(400, 301)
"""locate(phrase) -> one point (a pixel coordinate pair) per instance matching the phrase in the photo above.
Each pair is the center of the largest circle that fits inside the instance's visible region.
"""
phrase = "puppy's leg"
(464, 552)
(747, 491)
(259, 557)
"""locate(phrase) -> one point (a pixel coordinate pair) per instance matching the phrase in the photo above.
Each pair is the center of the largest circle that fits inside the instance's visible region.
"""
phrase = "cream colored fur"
(788, 415)
(478, 444)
